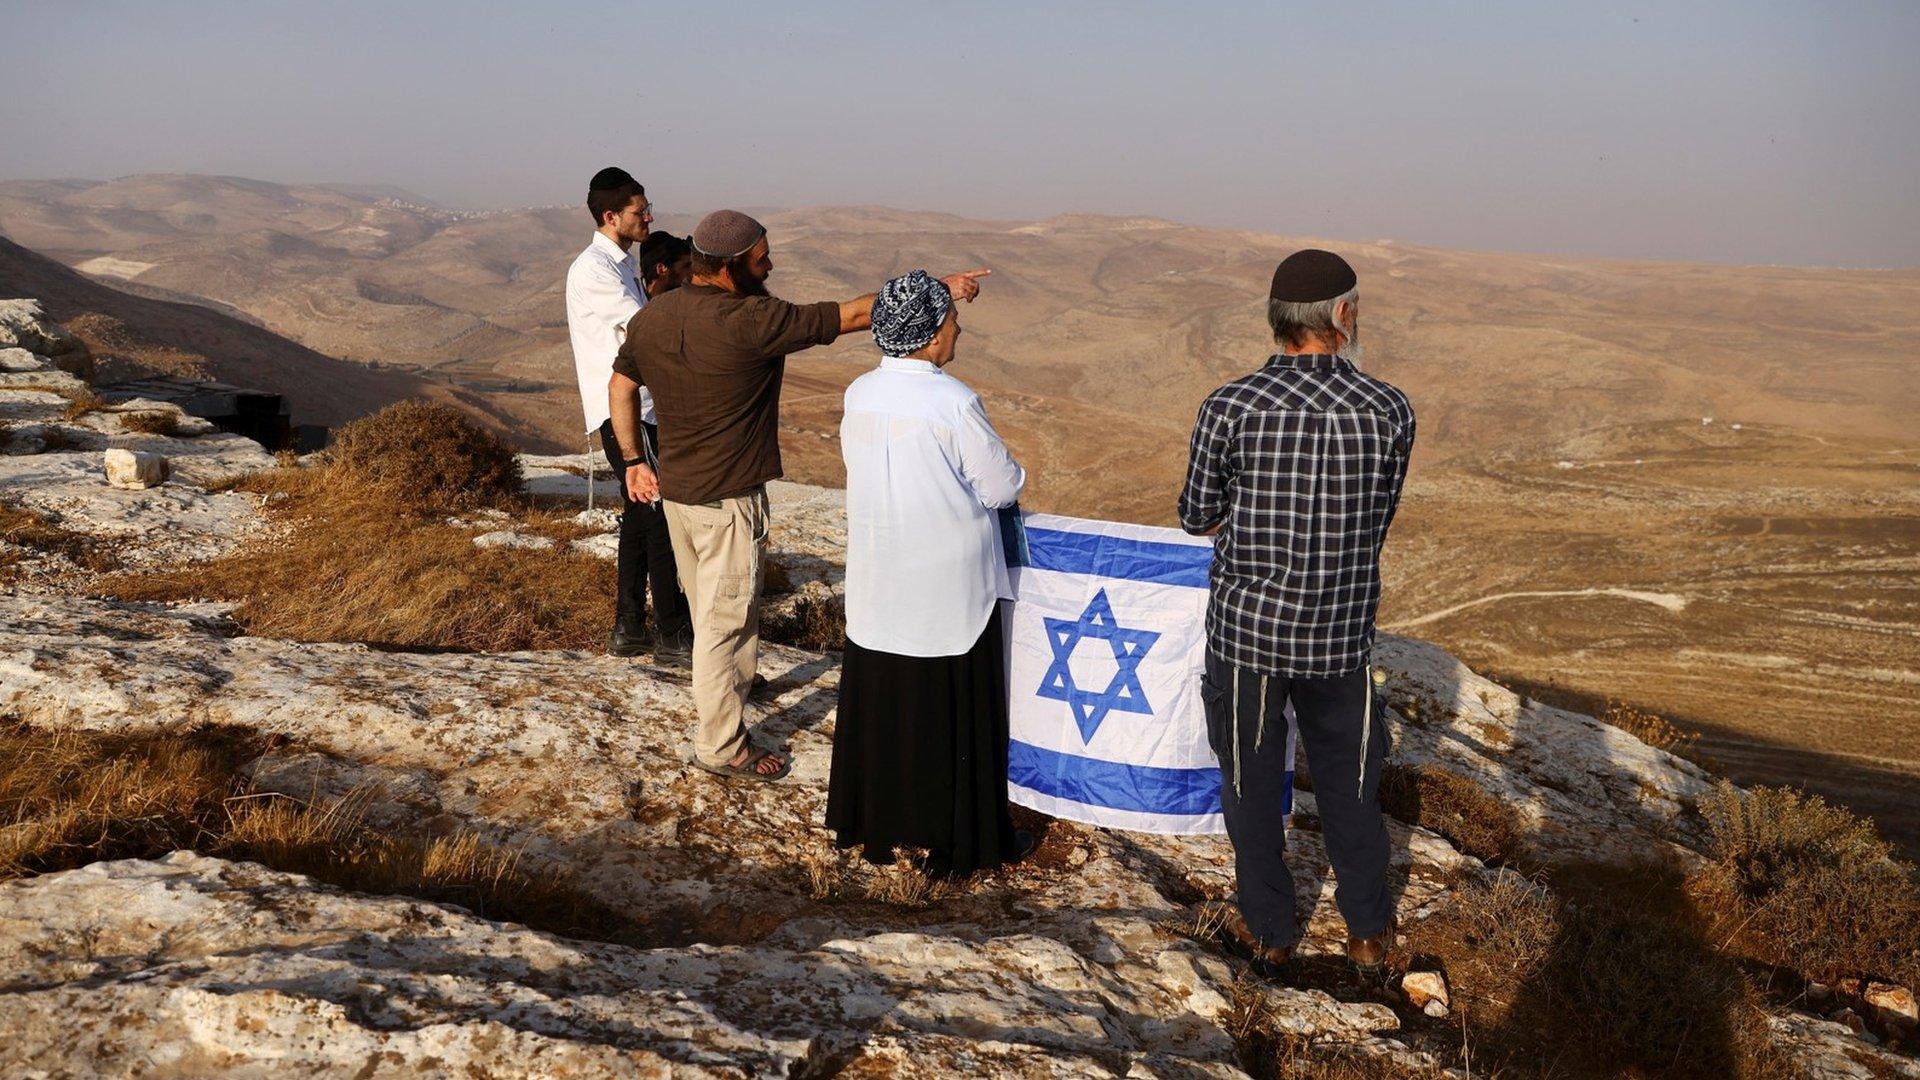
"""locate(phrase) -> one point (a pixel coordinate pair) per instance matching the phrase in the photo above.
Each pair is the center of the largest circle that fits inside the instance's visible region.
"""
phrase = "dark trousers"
(1340, 728)
(646, 552)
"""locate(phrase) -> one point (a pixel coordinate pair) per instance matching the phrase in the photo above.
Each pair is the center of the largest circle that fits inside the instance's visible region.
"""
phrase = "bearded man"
(1299, 467)
(713, 353)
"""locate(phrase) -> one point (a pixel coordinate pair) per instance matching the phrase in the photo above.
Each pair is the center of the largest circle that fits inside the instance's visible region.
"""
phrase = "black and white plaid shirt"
(1303, 461)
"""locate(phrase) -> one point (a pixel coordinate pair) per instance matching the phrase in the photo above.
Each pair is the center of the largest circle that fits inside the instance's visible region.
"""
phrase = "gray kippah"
(726, 233)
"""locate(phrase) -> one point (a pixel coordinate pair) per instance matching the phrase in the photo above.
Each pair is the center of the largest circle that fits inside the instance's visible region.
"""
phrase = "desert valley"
(1690, 489)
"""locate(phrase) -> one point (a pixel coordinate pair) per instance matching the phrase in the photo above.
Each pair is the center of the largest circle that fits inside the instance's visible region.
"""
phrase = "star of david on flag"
(1129, 648)
(1106, 642)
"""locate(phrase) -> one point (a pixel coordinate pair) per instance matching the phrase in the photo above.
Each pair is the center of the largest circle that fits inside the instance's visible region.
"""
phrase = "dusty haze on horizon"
(1766, 133)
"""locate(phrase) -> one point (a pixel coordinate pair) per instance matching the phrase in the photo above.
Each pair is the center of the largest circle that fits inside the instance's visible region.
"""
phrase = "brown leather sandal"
(751, 769)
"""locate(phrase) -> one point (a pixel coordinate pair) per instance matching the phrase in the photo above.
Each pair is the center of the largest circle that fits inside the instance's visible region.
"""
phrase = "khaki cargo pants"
(718, 547)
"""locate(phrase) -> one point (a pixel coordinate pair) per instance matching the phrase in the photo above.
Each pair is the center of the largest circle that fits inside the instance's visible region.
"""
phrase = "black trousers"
(1346, 744)
(646, 553)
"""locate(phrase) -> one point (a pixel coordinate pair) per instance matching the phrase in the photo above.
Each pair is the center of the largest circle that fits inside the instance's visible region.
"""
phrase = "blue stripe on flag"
(1147, 789)
(1118, 557)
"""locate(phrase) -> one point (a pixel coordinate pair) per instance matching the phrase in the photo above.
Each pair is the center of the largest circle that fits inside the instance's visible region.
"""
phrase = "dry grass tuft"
(903, 885)
(68, 799)
(71, 798)
(1811, 887)
(1655, 731)
(424, 453)
(151, 422)
(1453, 806)
(352, 565)
(27, 530)
(80, 404)
(1269, 1053)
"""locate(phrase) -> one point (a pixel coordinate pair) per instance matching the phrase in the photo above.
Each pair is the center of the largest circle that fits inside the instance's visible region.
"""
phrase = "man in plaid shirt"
(1298, 467)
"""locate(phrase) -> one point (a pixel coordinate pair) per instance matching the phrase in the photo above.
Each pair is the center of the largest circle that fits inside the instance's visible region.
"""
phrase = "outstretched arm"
(857, 314)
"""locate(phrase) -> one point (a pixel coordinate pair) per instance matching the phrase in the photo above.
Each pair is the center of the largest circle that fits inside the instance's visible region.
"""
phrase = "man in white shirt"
(602, 295)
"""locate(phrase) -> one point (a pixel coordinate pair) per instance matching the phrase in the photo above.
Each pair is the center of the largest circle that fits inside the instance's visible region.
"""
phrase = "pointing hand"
(965, 286)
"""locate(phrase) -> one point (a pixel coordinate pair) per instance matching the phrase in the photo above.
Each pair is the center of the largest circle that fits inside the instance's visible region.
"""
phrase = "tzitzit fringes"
(1366, 728)
(1260, 726)
(1233, 715)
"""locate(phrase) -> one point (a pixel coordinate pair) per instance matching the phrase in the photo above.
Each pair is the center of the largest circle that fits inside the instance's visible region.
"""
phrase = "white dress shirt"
(602, 294)
(925, 471)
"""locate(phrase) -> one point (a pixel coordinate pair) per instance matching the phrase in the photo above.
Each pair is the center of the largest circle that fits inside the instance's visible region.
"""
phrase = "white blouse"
(925, 473)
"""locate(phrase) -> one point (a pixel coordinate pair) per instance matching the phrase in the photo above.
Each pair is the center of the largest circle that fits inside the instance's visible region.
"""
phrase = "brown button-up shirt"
(713, 361)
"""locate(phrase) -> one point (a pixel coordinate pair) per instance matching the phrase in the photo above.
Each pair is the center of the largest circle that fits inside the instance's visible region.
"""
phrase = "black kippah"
(609, 178)
(1310, 275)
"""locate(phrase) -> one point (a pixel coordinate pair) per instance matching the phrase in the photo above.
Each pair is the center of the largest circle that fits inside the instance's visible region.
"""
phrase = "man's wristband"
(628, 463)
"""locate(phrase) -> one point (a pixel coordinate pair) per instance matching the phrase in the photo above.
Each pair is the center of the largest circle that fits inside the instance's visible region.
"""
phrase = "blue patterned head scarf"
(908, 311)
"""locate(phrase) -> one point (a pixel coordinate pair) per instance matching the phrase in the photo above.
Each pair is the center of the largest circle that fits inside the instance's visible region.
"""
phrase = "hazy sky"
(1760, 131)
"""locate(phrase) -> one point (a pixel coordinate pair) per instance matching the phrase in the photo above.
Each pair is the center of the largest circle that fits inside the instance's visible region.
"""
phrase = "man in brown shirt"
(713, 353)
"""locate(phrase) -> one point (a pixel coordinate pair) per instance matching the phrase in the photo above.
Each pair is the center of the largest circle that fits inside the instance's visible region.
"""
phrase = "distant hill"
(140, 333)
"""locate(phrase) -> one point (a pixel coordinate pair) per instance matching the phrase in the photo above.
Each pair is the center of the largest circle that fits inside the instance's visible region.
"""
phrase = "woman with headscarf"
(920, 744)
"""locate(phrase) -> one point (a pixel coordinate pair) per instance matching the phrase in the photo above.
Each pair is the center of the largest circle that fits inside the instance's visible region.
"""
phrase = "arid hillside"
(1752, 577)
(134, 335)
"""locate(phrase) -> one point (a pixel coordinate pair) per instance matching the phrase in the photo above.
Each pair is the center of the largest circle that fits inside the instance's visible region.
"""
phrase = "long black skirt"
(920, 755)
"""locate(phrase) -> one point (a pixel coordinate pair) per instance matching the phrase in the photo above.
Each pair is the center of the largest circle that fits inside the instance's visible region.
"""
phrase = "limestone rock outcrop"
(24, 325)
(135, 469)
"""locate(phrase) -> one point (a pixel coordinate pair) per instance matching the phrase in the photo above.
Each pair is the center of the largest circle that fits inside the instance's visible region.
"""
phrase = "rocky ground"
(765, 952)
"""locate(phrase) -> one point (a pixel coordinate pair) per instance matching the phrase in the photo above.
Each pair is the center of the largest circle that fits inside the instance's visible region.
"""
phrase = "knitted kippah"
(726, 233)
(1310, 275)
(908, 311)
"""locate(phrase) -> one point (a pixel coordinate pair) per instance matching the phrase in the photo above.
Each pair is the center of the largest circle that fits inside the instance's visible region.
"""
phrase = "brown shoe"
(1369, 954)
(1267, 960)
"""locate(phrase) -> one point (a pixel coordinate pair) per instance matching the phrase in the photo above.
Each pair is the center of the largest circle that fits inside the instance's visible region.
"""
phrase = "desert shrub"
(71, 798)
(346, 566)
(1656, 731)
(425, 453)
(775, 581)
(1620, 981)
(151, 422)
(1812, 887)
(815, 620)
(120, 352)
(1453, 806)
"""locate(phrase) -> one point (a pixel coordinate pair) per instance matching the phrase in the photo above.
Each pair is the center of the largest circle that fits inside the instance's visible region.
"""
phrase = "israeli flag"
(1106, 643)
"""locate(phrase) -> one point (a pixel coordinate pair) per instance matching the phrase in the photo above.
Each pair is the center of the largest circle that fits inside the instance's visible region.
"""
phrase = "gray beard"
(1350, 349)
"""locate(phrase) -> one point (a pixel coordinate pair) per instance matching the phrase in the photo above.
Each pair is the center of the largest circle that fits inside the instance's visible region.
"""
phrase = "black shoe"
(1024, 845)
(627, 639)
(673, 652)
